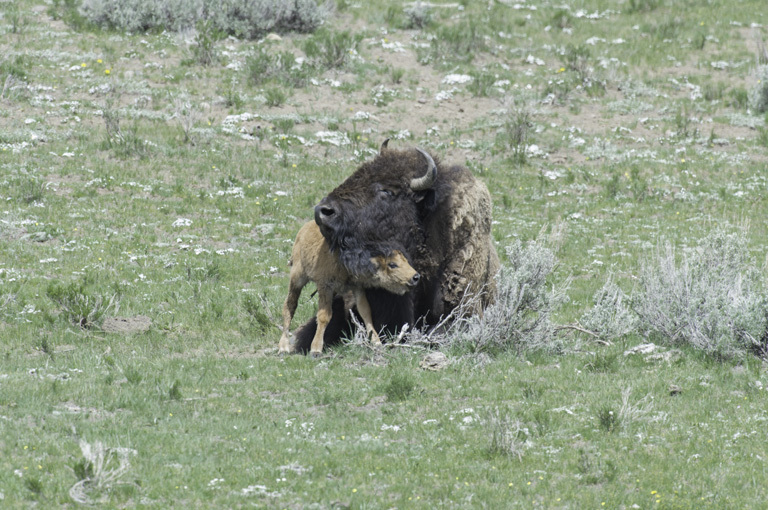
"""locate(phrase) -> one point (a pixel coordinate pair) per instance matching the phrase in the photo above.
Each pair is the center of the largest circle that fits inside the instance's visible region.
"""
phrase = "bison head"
(380, 208)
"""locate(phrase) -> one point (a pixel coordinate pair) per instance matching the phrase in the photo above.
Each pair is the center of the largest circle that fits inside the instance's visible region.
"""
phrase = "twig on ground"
(578, 327)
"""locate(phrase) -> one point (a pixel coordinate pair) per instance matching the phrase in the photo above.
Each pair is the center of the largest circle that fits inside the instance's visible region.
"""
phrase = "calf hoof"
(316, 355)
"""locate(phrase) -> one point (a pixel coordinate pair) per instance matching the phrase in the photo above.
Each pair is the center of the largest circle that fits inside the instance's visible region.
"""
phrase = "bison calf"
(312, 260)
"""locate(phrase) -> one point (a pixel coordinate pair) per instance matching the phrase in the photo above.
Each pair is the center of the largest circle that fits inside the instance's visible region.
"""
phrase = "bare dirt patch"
(127, 325)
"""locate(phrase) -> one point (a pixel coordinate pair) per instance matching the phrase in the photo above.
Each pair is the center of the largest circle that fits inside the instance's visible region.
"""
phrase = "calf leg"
(289, 308)
(324, 313)
(364, 309)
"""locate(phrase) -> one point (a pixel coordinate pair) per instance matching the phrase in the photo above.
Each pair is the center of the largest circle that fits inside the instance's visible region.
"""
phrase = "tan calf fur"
(312, 260)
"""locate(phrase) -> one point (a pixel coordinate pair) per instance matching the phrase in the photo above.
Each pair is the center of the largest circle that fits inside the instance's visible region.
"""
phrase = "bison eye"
(385, 193)
(392, 265)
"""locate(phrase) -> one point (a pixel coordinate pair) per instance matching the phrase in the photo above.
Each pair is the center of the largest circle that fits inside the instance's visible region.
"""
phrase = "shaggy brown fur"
(312, 260)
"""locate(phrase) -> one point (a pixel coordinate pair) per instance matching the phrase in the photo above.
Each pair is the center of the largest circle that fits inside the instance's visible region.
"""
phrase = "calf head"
(393, 273)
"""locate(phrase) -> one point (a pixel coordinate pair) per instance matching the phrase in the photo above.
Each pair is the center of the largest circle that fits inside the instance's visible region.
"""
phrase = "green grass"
(172, 188)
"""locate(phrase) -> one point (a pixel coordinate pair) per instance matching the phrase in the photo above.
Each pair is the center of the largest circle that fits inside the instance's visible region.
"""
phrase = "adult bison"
(439, 216)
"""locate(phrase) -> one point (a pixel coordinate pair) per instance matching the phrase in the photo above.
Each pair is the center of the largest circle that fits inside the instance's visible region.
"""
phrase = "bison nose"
(324, 212)
(415, 279)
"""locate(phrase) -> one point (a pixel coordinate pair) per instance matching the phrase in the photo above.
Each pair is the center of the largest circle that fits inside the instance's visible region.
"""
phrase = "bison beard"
(440, 217)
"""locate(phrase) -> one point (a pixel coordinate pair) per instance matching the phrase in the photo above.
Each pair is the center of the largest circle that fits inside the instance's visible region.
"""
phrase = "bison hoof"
(315, 355)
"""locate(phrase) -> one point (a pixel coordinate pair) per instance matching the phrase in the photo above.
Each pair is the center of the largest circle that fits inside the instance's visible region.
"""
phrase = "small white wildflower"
(534, 150)
(402, 135)
(233, 192)
(530, 59)
(333, 138)
(259, 490)
(182, 222)
(215, 483)
(454, 79)
(395, 46)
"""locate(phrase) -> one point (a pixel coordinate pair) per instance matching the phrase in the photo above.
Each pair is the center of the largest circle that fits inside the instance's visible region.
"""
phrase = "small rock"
(273, 37)
(674, 389)
(434, 361)
(642, 349)
(37, 237)
(668, 356)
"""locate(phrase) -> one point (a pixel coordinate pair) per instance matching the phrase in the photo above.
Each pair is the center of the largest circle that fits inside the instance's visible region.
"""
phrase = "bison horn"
(427, 180)
(384, 145)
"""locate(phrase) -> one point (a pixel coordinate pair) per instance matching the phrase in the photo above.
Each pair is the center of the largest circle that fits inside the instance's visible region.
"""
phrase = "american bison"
(312, 260)
(438, 215)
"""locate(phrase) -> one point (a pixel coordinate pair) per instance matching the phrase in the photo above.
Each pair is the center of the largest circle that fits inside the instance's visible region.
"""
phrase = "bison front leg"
(324, 313)
(364, 309)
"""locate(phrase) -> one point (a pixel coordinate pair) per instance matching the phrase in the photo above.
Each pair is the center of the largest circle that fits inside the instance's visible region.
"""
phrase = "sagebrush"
(758, 94)
(611, 316)
(519, 320)
(713, 298)
(243, 18)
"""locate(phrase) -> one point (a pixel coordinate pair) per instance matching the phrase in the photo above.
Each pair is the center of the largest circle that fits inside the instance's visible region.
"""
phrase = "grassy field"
(151, 185)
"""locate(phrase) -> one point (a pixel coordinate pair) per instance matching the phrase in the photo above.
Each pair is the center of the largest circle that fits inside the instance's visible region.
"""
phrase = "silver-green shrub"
(610, 317)
(418, 15)
(141, 15)
(712, 299)
(253, 18)
(520, 318)
(758, 94)
(243, 18)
